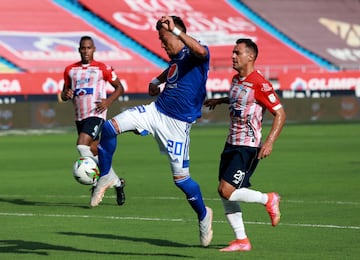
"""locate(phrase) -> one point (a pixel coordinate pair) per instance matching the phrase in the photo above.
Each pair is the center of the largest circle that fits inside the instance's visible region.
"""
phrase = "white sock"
(84, 150)
(118, 182)
(247, 195)
(236, 222)
(234, 216)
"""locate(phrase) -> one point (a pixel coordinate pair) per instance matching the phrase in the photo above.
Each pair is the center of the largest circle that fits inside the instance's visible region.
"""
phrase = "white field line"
(32, 131)
(180, 198)
(136, 218)
(167, 220)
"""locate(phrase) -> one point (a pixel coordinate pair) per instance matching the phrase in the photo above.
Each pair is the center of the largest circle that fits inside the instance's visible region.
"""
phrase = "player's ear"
(251, 56)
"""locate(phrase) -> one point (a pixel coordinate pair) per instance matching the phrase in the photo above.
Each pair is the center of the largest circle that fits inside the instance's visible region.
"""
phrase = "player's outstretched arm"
(211, 103)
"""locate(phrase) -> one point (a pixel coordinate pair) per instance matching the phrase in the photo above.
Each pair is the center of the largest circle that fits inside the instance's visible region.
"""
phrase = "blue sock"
(106, 148)
(193, 195)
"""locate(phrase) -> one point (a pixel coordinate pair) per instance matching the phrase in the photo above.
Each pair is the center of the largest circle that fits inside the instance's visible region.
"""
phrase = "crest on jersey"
(173, 73)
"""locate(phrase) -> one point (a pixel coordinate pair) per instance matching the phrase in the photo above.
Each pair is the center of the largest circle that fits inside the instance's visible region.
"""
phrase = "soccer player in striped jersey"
(85, 84)
(169, 119)
(249, 97)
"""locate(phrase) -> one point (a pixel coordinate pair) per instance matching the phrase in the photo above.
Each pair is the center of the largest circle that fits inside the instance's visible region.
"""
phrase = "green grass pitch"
(44, 212)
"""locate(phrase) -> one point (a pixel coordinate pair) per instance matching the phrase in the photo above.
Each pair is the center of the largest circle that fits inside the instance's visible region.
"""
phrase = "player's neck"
(243, 73)
(86, 63)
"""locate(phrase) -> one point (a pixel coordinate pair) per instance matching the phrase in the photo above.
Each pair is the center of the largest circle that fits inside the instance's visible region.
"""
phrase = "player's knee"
(180, 180)
(179, 177)
(224, 193)
(188, 186)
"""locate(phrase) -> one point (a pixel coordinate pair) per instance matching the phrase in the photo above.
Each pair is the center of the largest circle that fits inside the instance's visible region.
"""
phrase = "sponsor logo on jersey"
(172, 73)
(83, 81)
(83, 91)
(242, 93)
(272, 98)
(266, 87)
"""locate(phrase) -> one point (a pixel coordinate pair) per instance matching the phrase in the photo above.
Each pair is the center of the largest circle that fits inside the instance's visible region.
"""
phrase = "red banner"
(137, 83)
(347, 80)
(52, 83)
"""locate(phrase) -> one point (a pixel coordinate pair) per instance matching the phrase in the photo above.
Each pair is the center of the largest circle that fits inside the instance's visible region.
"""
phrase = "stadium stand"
(44, 37)
(218, 29)
(301, 43)
(328, 28)
(326, 40)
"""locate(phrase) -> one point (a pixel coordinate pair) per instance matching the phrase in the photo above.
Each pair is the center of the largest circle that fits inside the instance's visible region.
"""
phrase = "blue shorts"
(237, 164)
(91, 126)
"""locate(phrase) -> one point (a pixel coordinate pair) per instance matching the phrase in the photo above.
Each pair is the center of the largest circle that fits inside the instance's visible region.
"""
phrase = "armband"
(176, 31)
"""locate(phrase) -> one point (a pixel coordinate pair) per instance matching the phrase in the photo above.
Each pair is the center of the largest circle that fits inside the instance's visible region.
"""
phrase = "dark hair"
(249, 44)
(84, 38)
(177, 21)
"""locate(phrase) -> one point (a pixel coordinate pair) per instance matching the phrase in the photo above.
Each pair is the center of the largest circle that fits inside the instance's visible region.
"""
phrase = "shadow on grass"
(23, 202)
(38, 248)
(151, 241)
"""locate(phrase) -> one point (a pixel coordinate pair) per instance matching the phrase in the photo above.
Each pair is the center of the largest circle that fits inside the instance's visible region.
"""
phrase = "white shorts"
(172, 135)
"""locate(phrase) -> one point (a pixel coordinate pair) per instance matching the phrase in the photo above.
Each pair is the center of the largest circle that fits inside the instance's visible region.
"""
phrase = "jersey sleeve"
(109, 73)
(266, 95)
(67, 80)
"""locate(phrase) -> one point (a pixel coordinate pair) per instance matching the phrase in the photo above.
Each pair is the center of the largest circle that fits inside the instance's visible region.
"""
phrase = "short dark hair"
(84, 38)
(177, 21)
(249, 44)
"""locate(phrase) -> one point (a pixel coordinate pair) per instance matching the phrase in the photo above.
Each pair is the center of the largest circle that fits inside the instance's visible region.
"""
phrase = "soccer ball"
(86, 171)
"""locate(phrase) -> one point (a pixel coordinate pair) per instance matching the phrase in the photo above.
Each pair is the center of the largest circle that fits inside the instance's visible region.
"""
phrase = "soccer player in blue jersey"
(169, 118)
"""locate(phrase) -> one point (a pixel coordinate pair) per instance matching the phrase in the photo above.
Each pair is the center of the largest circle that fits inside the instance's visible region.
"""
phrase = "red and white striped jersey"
(89, 85)
(249, 98)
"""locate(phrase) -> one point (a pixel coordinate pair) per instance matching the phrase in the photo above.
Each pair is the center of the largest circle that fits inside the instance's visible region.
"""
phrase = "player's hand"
(265, 150)
(67, 94)
(101, 106)
(211, 103)
(167, 23)
(154, 89)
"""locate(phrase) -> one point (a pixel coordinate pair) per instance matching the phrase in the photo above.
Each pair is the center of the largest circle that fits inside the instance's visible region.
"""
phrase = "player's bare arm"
(211, 103)
(196, 48)
(277, 126)
(154, 85)
(67, 93)
(104, 104)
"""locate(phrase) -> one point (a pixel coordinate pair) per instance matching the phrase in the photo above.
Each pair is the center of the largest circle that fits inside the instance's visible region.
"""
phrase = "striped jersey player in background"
(169, 118)
(249, 96)
(85, 84)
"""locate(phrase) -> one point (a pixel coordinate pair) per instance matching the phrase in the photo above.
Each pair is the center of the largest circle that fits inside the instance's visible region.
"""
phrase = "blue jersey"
(185, 87)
